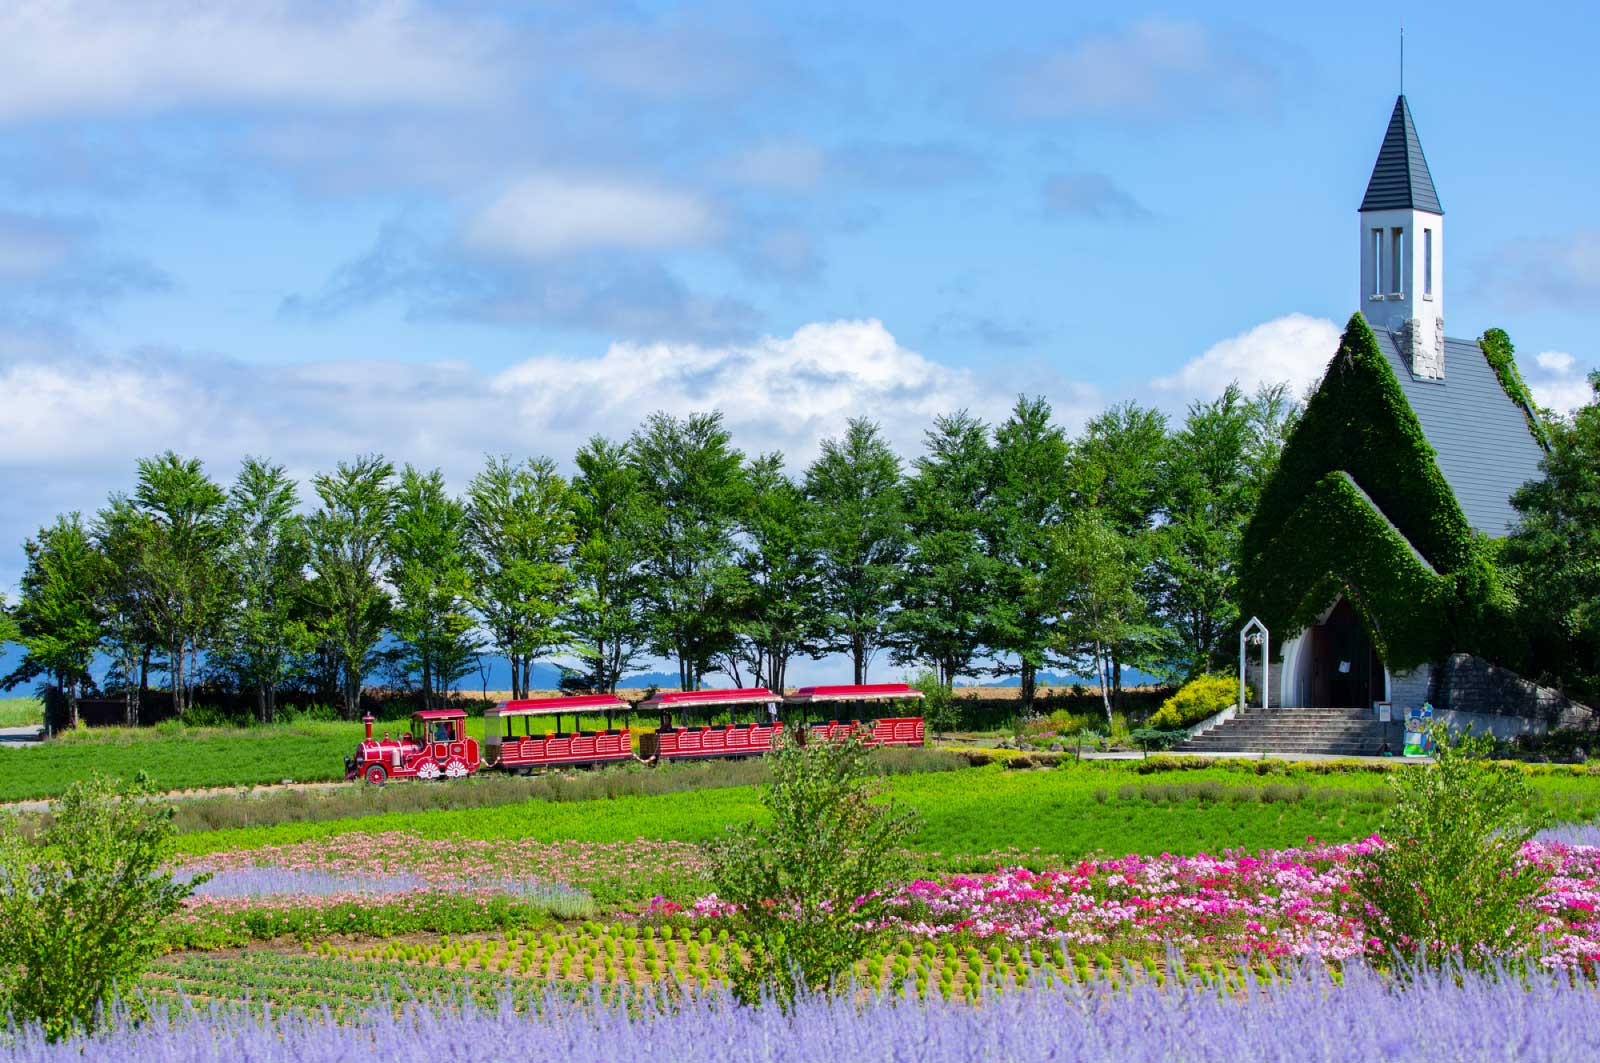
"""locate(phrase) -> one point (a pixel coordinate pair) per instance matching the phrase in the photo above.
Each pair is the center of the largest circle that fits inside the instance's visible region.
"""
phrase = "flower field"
(1301, 1015)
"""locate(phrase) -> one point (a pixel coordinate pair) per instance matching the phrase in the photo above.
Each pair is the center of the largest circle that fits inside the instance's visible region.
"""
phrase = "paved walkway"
(21, 736)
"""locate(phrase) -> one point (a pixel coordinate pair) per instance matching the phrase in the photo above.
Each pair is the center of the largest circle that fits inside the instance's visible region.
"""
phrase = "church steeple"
(1400, 179)
(1402, 248)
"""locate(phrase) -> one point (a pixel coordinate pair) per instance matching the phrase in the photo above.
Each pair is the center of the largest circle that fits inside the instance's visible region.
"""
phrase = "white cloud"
(75, 424)
(94, 56)
(549, 216)
(1558, 362)
(1558, 383)
(1294, 349)
(786, 165)
(1149, 68)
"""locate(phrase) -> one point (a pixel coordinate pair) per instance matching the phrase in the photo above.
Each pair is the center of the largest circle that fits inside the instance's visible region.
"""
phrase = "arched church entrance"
(1346, 672)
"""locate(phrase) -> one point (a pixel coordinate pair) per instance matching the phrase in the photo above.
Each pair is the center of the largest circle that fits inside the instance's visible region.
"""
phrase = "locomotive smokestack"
(367, 719)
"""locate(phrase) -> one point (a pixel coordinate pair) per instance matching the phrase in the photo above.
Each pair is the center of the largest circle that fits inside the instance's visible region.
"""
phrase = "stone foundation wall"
(1500, 700)
(1409, 690)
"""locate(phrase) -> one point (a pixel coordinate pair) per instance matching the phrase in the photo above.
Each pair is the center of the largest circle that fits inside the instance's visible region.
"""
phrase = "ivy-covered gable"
(1359, 506)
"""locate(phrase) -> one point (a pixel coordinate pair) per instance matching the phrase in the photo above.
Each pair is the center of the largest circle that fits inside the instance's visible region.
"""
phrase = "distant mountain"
(1131, 677)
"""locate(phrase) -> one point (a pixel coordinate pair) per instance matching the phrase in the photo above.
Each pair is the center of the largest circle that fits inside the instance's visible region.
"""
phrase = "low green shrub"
(1449, 884)
(1203, 696)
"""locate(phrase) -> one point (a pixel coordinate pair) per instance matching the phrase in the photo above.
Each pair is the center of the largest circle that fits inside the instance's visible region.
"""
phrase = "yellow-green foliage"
(1195, 700)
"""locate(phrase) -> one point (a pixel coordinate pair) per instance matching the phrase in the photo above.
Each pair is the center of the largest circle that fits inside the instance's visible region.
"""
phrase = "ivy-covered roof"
(1360, 505)
(1482, 439)
(1400, 179)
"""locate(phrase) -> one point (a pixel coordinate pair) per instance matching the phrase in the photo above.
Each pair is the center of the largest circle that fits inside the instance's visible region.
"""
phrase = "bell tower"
(1402, 248)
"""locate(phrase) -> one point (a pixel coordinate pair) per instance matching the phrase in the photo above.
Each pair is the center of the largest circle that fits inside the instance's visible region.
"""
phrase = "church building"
(1371, 557)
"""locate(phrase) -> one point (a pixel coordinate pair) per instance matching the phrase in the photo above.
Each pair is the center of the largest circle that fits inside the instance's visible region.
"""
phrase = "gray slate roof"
(1400, 179)
(1485, 448)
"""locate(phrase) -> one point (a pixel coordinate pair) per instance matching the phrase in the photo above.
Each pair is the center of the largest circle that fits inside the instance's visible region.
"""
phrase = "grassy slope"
(21, 712)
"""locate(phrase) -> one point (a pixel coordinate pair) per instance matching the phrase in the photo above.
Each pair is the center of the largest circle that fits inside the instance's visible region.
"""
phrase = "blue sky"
(309, 230)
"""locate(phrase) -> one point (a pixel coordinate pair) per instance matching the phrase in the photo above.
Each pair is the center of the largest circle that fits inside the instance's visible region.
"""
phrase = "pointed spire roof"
(1400, 180)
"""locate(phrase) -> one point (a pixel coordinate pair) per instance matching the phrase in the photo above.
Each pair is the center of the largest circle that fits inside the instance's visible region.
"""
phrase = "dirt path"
(45, 804)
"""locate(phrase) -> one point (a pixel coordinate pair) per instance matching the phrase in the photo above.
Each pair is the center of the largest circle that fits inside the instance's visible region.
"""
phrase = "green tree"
(807, 879)
(947, 584)
(128, 636)
(605, 616)
(81, 909)
(349, 608)
(1091, 582)
(855, 487)
(181, 568)
(9, 631)
(428, 568)
(57, 618)
(1117, 470)
(691, 482)
(265, 631)
(519, 534)
(1449, 883)
(1026, 502)
(778, 614)
(1553, 555)
(1218, 464)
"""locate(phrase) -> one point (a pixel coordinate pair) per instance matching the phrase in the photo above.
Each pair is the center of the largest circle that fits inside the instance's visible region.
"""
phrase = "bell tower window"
(1427, 263)
(1397, 245)
(1377, 262)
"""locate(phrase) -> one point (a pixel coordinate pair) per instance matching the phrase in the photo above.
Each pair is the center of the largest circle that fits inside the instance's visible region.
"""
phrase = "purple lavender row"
(1304, 1019)
(253, 882)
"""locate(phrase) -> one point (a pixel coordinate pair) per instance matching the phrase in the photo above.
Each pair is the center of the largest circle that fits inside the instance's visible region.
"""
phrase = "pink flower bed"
(1273, 903)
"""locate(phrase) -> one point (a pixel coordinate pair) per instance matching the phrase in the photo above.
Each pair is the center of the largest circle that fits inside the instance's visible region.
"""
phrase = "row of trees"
(1001, 550)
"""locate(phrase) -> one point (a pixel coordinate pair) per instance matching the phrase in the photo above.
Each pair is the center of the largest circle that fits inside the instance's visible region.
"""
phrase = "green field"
(967, 815)
(21, 712)
(183, 758)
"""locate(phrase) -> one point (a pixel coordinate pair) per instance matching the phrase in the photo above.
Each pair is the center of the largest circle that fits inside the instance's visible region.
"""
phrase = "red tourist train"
(689, 730)
(436, 747)
(861, 707)
(509, 751)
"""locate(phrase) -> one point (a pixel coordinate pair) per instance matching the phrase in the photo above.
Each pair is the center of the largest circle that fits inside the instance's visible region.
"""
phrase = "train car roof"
(559, 705)
(683, 699)
(869, 692)
(439, 714)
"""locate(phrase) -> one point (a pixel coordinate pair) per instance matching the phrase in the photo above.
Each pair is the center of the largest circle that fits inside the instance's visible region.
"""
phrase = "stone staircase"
(1337, 732)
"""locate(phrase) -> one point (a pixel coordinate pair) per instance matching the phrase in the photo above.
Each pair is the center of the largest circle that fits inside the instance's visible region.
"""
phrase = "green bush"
(1204, 696)
(81, 907)
(1449, 885)
(806, 881)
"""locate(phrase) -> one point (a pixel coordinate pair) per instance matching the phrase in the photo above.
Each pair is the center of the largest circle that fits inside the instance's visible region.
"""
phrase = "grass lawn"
(21, 712)
(180, 758)
(969, 817)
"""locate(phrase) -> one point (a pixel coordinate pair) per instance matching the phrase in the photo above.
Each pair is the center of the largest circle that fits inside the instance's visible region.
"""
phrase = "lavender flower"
(1305, 1017)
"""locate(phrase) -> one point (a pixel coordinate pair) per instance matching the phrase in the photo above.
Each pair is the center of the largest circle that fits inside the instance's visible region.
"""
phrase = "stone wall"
(1497, 699)
(1408, 690)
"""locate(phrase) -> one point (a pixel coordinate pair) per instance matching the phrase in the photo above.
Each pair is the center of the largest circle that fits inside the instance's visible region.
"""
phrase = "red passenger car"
(505, 749)
(751, 728)
(870, 709)
(436, 747)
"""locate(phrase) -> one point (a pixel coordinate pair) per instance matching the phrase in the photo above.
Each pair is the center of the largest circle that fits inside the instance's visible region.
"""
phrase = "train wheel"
(376, 774)
(429, 771)
(456, 770)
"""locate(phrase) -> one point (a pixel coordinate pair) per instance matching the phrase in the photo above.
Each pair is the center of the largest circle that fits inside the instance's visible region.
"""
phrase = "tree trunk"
(858, 653)
(175, 675)
(1105, 679)
(1026, 690)
(262, 712)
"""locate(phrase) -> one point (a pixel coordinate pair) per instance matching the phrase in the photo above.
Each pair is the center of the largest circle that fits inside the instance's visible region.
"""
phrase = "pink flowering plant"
(1273, 904)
